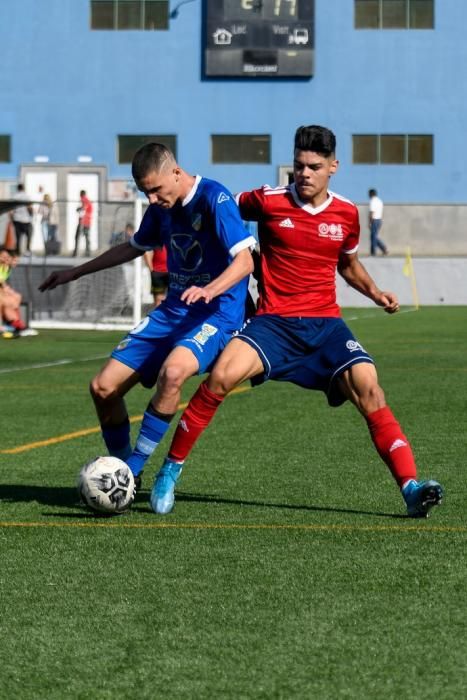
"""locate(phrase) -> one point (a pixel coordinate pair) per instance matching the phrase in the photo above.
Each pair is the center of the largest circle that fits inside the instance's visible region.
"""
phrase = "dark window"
(129, 144)
(5, 148)
(394, 14)
(365, 148)
(392, 149)
(420, 148)
(129, 14)
(241, 149)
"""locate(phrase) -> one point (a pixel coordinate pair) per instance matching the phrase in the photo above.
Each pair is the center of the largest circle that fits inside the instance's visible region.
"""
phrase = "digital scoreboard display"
(259, 38)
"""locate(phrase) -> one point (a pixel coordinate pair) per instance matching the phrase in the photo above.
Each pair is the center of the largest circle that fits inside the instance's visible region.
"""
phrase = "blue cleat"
(421, 496)
(162, 494)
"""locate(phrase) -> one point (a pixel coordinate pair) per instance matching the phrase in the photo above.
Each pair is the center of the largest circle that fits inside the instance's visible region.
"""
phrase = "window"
(128, 145)
(241, 149)
(5, 148)
(394, 14)
(129, 14)
(393, 149)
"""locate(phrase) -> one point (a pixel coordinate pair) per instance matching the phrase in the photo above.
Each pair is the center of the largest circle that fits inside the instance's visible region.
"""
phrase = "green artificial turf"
(287, 569)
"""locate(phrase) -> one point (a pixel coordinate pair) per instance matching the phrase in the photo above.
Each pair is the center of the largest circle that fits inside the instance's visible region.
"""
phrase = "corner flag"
(408, 271)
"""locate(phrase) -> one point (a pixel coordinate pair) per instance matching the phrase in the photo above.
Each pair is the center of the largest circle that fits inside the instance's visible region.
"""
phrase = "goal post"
(112, 299)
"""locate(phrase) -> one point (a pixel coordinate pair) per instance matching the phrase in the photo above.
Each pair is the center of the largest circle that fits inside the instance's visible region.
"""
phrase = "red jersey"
(159, 260)
(85, 214)
(300, 247)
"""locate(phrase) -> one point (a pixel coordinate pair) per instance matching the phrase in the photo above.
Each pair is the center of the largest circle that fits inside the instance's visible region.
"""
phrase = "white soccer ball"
(106, 484)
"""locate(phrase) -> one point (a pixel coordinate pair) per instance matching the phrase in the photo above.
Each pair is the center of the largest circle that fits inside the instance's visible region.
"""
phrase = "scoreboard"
(258, 38)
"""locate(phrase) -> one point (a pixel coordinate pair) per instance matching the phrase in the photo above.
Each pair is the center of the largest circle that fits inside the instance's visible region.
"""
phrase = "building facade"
(84, 82)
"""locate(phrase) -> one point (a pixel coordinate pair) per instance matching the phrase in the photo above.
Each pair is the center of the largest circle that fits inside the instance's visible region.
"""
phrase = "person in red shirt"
(306, 233)
(156, 261)
(84, 223)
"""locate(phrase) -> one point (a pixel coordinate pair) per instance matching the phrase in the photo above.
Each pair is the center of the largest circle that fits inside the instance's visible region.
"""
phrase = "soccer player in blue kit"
(209, 261)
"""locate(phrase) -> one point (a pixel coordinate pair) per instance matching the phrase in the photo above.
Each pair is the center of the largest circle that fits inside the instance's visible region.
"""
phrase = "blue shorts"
(146, 347)
(310, 352)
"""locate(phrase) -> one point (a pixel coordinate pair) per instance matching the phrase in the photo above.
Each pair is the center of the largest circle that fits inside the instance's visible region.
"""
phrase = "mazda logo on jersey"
(187, 252)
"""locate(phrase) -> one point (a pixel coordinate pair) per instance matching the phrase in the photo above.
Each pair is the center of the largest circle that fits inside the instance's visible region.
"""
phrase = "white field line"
(55, 363)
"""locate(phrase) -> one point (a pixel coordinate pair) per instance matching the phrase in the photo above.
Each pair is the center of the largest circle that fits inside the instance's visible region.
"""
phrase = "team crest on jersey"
(332, 231)
(223, 197)
(123, 344)
(196, 221)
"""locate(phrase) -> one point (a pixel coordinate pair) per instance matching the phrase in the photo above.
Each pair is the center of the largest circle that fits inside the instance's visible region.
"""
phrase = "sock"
(392, 445)
(195, 419)
(117, 440)
(151, 433)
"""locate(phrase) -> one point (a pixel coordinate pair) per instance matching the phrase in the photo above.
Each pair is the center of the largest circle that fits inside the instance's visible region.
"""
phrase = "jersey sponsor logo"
(223, 197)
(187, 251)
(352, 345)
(286, 223)
(181, 282)
(196, 221)
(331, 231)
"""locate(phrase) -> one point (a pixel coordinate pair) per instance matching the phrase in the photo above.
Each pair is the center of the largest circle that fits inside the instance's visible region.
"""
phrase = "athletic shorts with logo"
(309, 352)
(146, 347)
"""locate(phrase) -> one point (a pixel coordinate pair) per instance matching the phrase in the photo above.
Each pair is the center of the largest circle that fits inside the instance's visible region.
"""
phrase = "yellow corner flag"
(408, 271)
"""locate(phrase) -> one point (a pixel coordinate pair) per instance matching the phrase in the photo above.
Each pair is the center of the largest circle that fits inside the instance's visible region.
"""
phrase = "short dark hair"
(315, 138)
(372, 193)
(151, 156)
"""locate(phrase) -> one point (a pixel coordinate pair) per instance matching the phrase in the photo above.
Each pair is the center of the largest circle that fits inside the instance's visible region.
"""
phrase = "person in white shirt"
(22, 219)
(375, 216)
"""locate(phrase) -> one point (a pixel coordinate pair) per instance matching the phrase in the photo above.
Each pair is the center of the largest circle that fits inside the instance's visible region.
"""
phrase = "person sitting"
(10, 299)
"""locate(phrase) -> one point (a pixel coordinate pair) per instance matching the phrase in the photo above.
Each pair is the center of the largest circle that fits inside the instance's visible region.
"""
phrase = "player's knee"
(221, 380)
(100, 389)
(172, 377)
(372, 398)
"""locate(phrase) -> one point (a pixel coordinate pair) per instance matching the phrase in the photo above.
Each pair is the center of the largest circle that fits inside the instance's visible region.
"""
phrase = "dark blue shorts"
(310, 352)
(146, 347)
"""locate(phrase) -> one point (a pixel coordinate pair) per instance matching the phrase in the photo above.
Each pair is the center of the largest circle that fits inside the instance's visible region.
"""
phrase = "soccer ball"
(106, 484)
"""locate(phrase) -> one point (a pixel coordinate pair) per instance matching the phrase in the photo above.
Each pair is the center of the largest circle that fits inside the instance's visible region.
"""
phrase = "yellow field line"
(234, 526)
(82, 433)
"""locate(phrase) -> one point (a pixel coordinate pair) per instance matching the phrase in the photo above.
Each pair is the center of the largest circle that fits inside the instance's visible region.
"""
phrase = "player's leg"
(360, 385)
(179, 365)
(108, 389)
(238, 362)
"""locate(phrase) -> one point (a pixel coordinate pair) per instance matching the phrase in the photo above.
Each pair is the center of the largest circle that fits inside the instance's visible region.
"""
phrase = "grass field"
(287, 569)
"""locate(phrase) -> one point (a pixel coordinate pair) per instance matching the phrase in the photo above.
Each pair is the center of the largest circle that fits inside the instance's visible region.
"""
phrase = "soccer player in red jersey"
(306, 233)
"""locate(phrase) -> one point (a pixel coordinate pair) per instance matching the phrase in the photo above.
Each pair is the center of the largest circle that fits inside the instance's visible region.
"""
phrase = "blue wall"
(67, 91)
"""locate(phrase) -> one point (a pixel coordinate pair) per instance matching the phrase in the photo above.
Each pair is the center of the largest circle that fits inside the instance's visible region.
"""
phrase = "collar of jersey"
(307, 207)
(192, 192)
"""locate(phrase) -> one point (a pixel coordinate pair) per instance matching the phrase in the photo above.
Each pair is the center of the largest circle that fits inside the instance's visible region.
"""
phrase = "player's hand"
(389, 302)
(194, 294)
(57, 278)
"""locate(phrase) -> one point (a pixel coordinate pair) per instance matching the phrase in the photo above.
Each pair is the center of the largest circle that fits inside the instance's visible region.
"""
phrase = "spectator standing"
(84, 223)
(22, 219)
(156, 260)
(375, 219)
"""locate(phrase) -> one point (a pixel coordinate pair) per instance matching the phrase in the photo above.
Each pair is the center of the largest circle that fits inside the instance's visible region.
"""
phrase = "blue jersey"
(202, 235)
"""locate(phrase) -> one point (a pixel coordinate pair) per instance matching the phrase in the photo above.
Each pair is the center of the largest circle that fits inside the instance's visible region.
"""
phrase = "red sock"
(19, 325)
(392, 445)
(195, 419)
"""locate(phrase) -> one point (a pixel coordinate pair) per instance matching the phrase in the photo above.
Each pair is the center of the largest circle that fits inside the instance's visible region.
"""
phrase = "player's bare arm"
(114, 256)
(357, 277)
(241, 266)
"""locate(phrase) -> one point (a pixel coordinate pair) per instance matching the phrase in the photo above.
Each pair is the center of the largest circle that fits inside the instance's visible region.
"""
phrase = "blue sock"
(151, 433)
(117, 440)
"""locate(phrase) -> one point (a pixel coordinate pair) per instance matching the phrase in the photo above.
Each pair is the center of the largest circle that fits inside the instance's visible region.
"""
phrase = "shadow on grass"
(67, 497)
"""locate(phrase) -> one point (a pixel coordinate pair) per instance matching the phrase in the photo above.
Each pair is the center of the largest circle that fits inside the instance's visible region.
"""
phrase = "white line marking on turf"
(55, 363)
